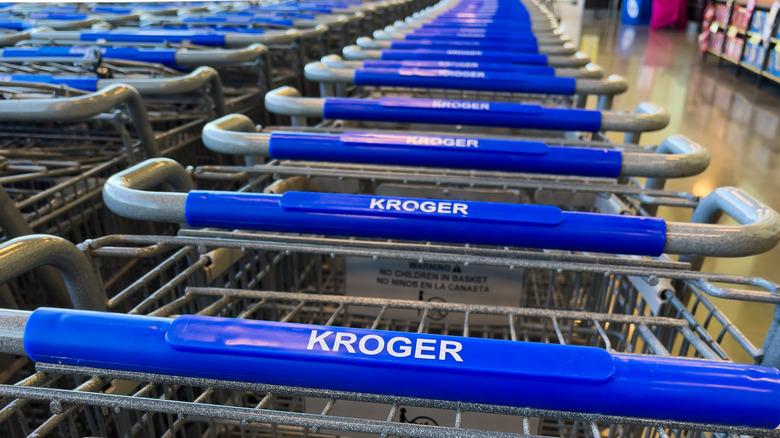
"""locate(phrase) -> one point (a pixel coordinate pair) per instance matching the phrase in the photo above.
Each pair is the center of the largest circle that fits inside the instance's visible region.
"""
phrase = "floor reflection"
(737, 121)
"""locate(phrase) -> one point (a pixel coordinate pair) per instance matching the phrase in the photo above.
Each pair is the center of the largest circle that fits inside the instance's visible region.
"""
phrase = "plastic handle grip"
(166, 57)
(447, 152)
(456, 65)
(464, 44)
(461, 112)
(488, 33)
(112, 10)
(57, 16)
(472, 36)
(508, 373)
(81, 83)
(236, 20)
(465, 79)
(529, 226)
(157, 36)
(19, 25)
(58, 9)
(464, 55)
(469, 26)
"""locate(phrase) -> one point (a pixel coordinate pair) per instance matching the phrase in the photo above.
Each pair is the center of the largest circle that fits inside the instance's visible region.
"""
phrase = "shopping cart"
(406, 112)
(289, 49)
(563, 300)
(245, 73)
(92, 73)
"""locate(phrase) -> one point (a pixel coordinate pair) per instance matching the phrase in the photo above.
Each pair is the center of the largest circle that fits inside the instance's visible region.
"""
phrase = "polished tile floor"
(738, 122)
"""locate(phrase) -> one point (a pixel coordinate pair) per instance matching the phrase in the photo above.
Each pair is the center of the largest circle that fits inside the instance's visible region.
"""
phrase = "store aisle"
(738, 122)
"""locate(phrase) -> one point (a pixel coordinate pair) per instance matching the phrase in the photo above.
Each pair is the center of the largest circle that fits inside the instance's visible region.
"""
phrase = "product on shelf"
(716, 42)
(773, 67)
(754, 54)
(740, 17)
(759, 18)
(733, 47)
(722, 14)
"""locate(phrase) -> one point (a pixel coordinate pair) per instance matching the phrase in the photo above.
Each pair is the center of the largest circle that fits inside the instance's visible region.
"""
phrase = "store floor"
(738, 122)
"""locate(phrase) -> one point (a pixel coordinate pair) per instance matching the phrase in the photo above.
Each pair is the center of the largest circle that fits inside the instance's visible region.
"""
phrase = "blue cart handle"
(287, 101)
(473, 370)
(459, 112)
(173, 58)
(354, 52)
(439, 220)
(467, 45)
(235, 134)
(395, 33)
(158, 36)
(480, 80)
(84, 83)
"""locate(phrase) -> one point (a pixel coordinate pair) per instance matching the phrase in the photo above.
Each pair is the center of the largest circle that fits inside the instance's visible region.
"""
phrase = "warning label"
(442, 282)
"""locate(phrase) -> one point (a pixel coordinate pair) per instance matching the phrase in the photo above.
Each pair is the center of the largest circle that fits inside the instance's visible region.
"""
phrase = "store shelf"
(739, 34)
(749, 67)
(771, 77)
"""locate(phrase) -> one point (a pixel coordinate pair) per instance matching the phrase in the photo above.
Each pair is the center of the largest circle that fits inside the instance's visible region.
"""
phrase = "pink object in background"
(668, 13)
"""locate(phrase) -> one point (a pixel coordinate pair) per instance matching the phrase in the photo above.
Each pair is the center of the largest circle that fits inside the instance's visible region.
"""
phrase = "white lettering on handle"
(320, 340)
(424, 345)
(465, 52)
(456, 104)
(345, 339)
(402, 351)
(411, 205)
(419, 140)
(452, 348)
(397, 346)
(461, 74)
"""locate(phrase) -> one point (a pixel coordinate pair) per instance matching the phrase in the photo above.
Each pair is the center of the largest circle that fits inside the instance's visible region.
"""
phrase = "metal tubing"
(759, 230)
(84, 107)
(14, 225)
(24, 254)
(677, 156)
(125, 193)
(223, 57)
(288, 101)
(12, 323)
(167, 86)
(648, 117)
(235, 134)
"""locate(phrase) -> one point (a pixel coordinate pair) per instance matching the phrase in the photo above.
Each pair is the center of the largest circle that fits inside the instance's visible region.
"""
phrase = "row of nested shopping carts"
(430, 234)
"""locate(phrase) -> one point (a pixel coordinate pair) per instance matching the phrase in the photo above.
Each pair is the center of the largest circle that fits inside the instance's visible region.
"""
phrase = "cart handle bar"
(455, 368)
(579, 59)
(288, 101)
(555, 50)
(24, 254)
(126, 194)
(465, 80)
(589, 71)
(201, 78)
(235, 134)
(68, 109)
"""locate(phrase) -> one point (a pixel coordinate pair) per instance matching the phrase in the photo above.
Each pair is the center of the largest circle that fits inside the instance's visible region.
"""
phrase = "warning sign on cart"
(433, 281)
